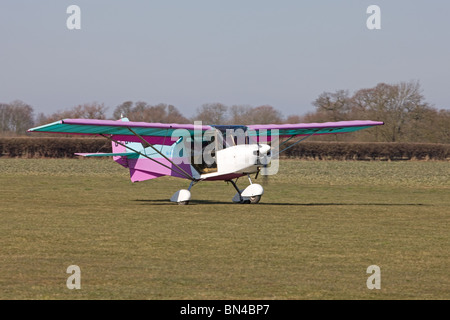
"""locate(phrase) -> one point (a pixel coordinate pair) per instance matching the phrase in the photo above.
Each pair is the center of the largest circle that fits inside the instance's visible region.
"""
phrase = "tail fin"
(117, 148)
(144, 168)
(120, 150)
(130, 159)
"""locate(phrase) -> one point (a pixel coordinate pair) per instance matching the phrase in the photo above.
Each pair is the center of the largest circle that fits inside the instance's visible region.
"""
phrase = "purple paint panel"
(138, 175)
(153, 168)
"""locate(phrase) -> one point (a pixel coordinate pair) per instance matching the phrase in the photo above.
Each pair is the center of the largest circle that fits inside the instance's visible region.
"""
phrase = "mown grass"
(318, 227)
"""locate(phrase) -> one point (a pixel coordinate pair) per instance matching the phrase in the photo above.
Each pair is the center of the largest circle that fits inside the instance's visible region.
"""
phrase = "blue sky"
(187, 53)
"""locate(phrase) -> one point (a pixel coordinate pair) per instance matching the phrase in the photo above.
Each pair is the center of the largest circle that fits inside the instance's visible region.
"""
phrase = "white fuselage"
(240, 159)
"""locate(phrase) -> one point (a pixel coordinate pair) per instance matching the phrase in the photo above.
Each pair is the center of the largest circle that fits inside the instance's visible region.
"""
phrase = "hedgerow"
(62, 147)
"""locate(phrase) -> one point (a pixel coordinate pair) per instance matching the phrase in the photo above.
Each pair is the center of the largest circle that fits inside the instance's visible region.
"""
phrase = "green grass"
(318, 227)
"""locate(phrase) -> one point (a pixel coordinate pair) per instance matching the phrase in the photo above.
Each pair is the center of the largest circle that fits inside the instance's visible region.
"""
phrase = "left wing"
(306, 129)
(268, 132)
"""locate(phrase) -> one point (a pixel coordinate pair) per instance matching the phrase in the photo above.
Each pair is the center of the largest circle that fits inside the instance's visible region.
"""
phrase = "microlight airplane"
(199, 152)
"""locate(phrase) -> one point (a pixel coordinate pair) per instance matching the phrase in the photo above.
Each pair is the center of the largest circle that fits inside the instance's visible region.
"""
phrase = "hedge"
(368, 151)
(32, 147)
(61, 147)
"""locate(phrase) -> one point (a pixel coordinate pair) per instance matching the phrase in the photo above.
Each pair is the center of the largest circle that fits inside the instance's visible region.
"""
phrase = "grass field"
(318, 227)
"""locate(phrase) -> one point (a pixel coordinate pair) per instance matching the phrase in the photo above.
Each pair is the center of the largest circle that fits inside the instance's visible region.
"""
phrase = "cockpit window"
(213, 140)
(231, 135)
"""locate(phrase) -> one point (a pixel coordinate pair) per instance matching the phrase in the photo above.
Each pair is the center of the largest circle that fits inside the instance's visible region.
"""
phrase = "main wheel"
(255, 199)
(183, 203)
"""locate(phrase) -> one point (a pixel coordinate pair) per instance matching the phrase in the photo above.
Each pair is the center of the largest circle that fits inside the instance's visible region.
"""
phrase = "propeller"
(264, 159)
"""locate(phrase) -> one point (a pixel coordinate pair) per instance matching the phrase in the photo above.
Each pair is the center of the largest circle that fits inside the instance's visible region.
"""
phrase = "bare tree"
(212, 113)
(266, 114)
(155, 113)
(174, 115)
(92, 110)
(138, 112)
(123, 110)
(16, 118)
(396, 105)
(333, 106)
(442, 125)
(142, 111)
(293, 118)
(241, 115)
(428, 125)
(5, 118)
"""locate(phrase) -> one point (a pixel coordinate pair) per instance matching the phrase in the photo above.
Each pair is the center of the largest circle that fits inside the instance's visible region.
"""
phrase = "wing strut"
(183, 173)
(310, 135)
(145, 143)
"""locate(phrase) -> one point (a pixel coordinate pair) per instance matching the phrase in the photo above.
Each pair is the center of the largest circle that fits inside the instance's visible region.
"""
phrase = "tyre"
(255, 199)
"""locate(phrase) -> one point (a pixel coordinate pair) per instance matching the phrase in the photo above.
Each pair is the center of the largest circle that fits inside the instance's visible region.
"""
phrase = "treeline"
(62, 147)
(407, 116)
(15, 118)
(402, 107)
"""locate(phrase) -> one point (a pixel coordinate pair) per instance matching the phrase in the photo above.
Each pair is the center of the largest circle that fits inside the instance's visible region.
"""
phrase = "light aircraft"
(199, 152)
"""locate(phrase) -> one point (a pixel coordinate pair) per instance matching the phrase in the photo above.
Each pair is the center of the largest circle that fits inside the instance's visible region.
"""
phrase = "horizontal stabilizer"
(99, 154)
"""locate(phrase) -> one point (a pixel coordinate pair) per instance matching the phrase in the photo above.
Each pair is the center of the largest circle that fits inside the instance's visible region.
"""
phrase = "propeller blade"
(264, 159)
(265, 170)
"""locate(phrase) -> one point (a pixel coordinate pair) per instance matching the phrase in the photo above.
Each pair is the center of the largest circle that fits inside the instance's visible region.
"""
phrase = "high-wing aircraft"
(199, 152)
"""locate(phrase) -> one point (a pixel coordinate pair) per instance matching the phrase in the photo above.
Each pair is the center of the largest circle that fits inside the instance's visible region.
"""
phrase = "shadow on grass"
(314, 204)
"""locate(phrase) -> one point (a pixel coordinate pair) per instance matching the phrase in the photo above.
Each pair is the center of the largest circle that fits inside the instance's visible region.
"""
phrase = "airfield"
(318, 227)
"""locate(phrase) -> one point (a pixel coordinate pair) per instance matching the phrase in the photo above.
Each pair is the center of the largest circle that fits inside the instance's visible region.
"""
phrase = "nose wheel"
(252, 194)
(255, 199)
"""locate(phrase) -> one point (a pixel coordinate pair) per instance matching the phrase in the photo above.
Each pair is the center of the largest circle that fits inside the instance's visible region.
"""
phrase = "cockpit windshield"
(230, 136)
(204, 147)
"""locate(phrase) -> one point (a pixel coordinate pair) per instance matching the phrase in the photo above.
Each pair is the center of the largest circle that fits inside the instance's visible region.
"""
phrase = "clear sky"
(187, 53)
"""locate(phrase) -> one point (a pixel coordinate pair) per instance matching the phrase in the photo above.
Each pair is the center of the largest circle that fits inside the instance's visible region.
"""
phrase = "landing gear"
(182, 196)
(252, 194)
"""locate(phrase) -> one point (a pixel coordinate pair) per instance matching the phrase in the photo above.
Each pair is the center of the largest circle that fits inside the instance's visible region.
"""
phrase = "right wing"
(153, 133)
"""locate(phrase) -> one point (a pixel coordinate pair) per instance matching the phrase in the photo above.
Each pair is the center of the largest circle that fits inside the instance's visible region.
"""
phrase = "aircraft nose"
(264, 149)
(264, 154)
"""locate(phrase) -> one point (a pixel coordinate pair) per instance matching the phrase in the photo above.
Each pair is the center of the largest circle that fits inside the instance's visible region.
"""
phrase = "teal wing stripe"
(99, 154)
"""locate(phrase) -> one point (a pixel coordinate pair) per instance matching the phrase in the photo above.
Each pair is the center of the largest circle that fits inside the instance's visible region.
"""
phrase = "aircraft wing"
(168, 133)
(307, 129)
(153, 133)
